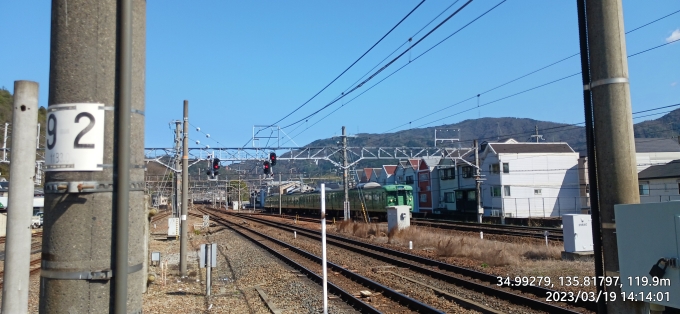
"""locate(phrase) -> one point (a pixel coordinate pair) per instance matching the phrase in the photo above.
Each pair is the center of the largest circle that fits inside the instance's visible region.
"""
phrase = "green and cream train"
(372, 196)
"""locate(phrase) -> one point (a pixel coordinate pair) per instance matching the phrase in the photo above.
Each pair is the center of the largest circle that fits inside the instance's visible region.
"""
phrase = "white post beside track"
(323, 248)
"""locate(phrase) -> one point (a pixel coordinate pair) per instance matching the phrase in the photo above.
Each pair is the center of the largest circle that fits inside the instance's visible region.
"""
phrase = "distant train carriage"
(373, 198)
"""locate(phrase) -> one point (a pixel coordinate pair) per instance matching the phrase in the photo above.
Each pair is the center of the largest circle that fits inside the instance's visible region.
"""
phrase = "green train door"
(402, 199)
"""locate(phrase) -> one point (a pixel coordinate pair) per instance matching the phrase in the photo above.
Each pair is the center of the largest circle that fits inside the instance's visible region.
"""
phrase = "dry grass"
(487, 252)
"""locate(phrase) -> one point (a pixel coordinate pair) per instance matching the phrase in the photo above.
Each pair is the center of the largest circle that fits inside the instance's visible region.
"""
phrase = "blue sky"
(245, 63)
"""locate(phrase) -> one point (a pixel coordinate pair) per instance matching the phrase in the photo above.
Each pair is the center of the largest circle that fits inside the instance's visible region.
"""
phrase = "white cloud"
(674, 83)
(674, 36)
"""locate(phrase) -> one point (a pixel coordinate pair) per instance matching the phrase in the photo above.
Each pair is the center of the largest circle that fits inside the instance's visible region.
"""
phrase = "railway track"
(530, 296)
(309, 265)
(37, 234)
(554, 234)
(161, 216)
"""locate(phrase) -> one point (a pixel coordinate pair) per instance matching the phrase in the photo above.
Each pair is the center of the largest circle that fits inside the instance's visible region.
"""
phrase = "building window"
(495, 168)
(538, 192)
(423, 198)
(467, 172)
(495, 191)
(425, 176)
(471, 196)
(409, 179)
(506, 167)
(459, 194)
(447, 173)
(450, 197)
(644, 188)
(506, 190)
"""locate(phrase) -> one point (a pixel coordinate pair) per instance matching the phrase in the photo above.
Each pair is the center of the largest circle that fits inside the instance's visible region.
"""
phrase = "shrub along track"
(340, 281)
(530, 296)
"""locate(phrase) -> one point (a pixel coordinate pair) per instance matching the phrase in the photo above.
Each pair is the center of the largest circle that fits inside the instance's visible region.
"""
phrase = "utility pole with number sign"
(96, 90)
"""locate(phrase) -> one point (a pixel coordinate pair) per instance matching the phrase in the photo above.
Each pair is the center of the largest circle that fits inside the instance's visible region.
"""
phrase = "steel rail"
(392, 294)
(489, 279)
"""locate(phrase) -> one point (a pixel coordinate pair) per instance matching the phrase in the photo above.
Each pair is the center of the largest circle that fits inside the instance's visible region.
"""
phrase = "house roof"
(656, 145)
(519, 148)
(368, 172)
(414, 163)
(669, 170)
(430, 162)
(389, 169)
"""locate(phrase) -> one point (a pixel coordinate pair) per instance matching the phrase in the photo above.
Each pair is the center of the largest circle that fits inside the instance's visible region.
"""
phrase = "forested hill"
(521, 129)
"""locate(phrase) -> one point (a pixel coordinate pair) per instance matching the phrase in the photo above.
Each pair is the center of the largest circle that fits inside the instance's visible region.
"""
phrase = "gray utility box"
(578, 233)
(399, 217)
(645, 233)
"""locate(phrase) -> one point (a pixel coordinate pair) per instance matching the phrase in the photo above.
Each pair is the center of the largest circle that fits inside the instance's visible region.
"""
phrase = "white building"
(529, 179)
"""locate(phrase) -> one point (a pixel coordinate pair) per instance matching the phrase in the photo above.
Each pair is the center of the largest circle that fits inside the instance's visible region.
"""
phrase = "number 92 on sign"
(75, 137)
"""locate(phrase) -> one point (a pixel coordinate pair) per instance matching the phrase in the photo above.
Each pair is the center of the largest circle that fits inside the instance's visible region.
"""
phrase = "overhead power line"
(386, 65)
(351, 65)
(489, 90)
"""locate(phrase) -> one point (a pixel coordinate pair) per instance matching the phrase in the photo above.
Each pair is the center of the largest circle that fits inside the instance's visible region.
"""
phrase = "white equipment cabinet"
(173, 227)
(645, 233)
(577, 233)
(399, 217)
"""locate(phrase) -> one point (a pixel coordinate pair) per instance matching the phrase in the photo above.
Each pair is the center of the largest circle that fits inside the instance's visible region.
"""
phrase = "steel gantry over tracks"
(355, 154)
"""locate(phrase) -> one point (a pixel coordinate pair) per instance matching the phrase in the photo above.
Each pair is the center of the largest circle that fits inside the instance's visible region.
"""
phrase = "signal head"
(272, 158)
(267, 167)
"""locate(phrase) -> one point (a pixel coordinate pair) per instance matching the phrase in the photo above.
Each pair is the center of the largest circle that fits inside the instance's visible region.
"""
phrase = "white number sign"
(75, 137)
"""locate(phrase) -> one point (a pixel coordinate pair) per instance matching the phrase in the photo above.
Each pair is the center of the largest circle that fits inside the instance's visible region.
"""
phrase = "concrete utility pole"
(613, 126)
(18, 247)
(478, 183)
(591, 164)
(105, 71)
(175, 174)
(345, 181)
(185, 193)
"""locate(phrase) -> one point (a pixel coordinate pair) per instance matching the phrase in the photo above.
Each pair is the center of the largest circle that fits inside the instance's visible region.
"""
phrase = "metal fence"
(536, 206)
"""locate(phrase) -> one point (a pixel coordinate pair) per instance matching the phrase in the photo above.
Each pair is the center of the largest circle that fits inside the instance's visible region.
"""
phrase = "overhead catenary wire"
(344, 94)
(400, 46)
(489, 90)
(347, 69)
(386, 65)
